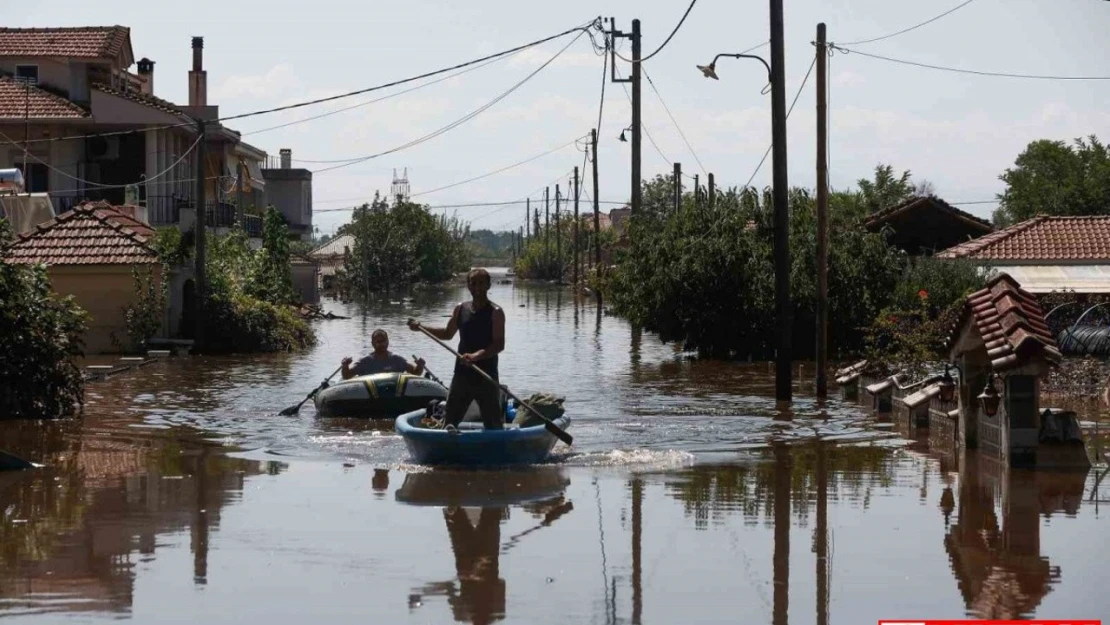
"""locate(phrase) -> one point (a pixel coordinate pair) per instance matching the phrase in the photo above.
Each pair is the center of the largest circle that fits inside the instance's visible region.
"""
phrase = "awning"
(1048, 278)
(254, 174)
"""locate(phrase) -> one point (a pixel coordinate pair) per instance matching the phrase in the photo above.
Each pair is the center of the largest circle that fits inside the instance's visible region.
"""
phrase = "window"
(35, 177)
(28, 72)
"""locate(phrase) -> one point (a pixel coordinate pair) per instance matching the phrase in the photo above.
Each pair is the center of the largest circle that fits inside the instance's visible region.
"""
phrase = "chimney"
(198, 78)
(146, 70)
(286, 158)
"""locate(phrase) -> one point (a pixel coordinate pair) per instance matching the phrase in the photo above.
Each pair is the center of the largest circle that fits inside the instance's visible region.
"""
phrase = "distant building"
(922, 226)
(289, 190)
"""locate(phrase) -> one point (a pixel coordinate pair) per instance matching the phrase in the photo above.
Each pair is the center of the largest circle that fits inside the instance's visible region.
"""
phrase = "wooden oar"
(292, 410)
(431, 376)
(11, 462)
(548, 423)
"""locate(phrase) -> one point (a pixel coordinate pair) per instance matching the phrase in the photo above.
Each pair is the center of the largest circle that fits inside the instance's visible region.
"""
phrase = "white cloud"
(848, 78)
(280, 79)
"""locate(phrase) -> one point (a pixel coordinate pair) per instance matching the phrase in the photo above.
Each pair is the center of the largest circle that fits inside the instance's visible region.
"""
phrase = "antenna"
(400, 188)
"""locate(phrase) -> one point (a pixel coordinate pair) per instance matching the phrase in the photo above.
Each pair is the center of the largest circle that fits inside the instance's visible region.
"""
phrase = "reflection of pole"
(781, 558)
(200, 522)
(822, 537)
(637, 504)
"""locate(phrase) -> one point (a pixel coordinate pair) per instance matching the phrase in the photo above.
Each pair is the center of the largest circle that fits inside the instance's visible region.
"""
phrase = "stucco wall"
(102, 291)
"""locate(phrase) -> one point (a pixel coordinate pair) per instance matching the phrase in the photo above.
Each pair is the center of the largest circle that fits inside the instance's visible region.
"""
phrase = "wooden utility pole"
(637, 189)
(712, 191)
(822, 216)
(546, 220)
(536, 227)
(200, 277)
(697, 190)
(520, 242)
(677, 188)
(558, 237)
(597, 216)
(576, 227)
(528, 217)
(783, 353)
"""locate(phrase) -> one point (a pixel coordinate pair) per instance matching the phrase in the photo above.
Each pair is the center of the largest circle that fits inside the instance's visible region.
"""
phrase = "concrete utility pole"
(597, 217)
(712, 191)
(528, 217)
(637, 192)
(558, 238)
(783, 313)
(576, 227)
(200, 277)
(822, 216)
(546, 221)
(697, 190)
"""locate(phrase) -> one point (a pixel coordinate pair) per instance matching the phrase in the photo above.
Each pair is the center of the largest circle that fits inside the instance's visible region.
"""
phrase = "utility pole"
(637, 192)
(822, 216)
(546, 220)
(712, 191)
(520, 242)
(528, 217)
(558, 239)
(576, 228)
(697, 190)
(783, 355)
(597, 217)
(200, 277)
(536, 228)
(677, 188)
(240, 196)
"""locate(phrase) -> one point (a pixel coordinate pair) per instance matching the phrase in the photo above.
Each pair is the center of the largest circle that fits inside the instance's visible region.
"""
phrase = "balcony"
(166, 210)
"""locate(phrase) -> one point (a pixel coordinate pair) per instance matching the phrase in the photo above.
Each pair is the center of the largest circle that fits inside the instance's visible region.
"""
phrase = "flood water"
(181, 497)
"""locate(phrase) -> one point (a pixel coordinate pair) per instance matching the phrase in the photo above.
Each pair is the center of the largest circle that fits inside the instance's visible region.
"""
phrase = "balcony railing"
(166, 210)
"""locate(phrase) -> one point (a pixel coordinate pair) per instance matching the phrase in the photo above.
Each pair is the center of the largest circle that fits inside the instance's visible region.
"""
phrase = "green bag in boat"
(547, 404)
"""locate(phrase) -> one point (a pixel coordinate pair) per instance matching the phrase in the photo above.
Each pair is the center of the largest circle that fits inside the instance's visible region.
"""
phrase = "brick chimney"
(146, 71)
(198, 78)
(286, 158)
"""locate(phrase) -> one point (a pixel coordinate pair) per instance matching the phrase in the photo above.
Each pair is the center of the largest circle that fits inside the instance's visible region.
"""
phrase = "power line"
(455, 123)
(462, 205)
(498, 171)
(675, 121)
(914, 27)
(669, 37)
(642, 124)
(966, 71)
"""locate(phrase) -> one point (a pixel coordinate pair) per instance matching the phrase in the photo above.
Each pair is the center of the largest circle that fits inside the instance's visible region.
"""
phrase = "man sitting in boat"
(481, 327)
(381, 360)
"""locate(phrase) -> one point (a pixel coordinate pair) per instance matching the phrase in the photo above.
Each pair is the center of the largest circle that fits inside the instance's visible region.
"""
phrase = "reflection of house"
(1047, 253)
(90, 252)
(925, 225)
(995, 546)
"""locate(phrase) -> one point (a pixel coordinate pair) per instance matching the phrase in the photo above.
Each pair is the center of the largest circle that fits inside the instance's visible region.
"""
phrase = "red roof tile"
(90, 234)
(1011, 323)
(85, 42)
(17, 102)
(1042, 238)
(141, 98)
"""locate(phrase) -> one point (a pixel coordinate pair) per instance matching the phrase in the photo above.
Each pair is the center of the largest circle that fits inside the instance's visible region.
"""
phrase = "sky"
(958, 131)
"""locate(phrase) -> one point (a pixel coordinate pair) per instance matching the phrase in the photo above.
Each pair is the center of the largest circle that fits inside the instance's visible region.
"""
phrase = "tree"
(41, 334)
(1053, 178)
(885, 190)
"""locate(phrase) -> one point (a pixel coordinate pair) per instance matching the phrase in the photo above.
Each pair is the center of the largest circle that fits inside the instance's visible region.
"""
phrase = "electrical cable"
(643, 126)
(452, 125)
(669, 37)
(498, 171)
(914, 27)
(675, 122)
(966, 71)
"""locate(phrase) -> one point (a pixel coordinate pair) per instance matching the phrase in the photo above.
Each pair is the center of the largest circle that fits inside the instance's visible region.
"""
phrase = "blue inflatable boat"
(473, 445)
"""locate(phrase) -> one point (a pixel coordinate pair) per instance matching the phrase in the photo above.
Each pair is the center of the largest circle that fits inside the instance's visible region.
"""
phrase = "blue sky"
(957, 131)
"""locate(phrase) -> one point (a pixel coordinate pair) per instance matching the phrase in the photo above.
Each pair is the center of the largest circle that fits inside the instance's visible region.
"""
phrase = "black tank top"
(475, 333)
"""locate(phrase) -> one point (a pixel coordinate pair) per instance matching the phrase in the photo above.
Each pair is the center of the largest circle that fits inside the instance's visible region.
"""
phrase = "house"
(1046, 254)
(923, 225)
(618, 220)
(330, 258)
(81, 126)
(90, 252)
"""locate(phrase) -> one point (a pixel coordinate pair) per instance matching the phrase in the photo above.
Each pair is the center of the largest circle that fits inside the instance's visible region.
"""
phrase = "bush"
(41, 337)
(239, 323)
(144, 316)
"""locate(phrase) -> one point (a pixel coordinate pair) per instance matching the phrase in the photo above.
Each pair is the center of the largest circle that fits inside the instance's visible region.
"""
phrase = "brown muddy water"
(181, 497)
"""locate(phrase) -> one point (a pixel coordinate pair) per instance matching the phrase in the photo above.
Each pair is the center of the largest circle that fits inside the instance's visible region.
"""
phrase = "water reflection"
(473, 522)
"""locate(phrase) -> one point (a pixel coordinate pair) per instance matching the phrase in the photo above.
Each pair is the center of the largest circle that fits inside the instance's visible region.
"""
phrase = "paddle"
(548, 423)
(292, 410)
(428, 372)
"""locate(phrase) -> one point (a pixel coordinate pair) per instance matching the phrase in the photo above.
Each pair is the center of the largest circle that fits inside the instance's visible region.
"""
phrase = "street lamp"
(622, 138)
(947, 384)
(783, 313)
(989, 398)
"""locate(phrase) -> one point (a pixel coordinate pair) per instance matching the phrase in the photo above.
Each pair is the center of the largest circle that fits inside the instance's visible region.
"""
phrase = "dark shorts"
(468, 386)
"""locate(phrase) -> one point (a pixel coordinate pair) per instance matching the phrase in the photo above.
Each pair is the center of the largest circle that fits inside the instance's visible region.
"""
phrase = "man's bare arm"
(443, 334)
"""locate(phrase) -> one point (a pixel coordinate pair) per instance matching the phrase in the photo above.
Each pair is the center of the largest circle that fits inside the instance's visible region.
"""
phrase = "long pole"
(528, 217)
(822, 216)
(546, 220)
(637, 192)
(697, 190)
(558, 239)
(677, 188)
(712, 191)
(26, 133)
(597, 216)
(200, 229)
(783, 354)
(576, 227)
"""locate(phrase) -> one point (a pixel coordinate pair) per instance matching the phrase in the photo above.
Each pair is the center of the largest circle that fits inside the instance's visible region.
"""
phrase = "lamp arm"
(745, 56)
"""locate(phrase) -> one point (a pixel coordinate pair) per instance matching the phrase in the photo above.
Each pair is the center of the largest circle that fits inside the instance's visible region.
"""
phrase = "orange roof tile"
(85, 42)
(141, 98)
(1011, 323)
(1042, 238)
(17, 101)
(90, 234)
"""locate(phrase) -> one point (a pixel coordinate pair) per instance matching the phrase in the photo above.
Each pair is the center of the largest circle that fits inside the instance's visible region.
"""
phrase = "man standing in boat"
(481, 327)
(381, 360)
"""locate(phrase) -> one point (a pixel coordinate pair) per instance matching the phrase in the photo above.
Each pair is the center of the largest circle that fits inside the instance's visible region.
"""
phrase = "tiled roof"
(84, 42)
(1011, 323)
(1042, 238)
(142, 98)
(333, 247)
(927, 201)
(16, 101)
(90, 234)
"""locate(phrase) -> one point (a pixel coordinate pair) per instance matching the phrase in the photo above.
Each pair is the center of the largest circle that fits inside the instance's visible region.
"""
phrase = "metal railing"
(164, 210)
